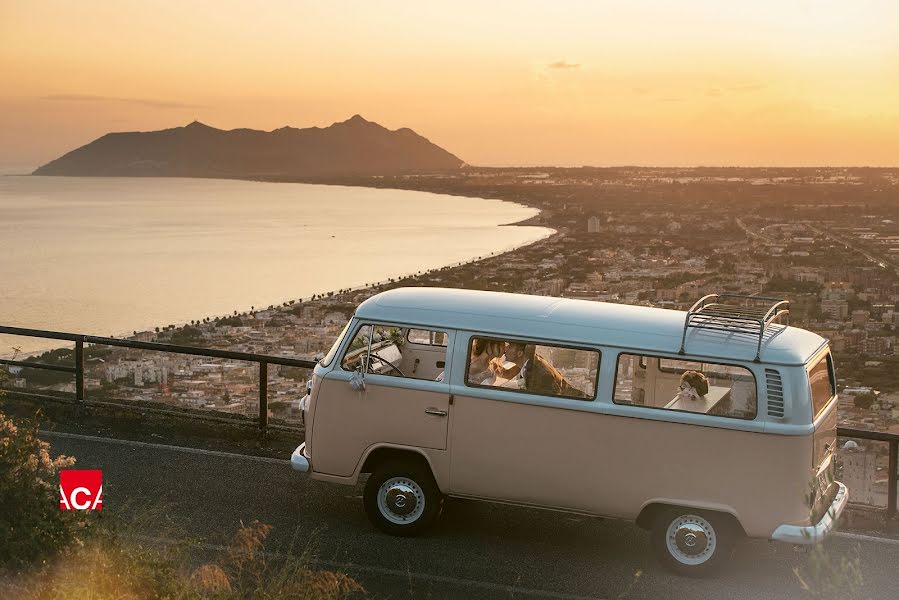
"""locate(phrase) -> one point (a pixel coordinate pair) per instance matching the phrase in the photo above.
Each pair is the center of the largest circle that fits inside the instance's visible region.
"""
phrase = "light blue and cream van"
(704, 426)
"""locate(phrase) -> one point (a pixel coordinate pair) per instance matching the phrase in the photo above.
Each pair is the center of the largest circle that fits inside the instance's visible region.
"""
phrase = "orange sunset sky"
(813, 82)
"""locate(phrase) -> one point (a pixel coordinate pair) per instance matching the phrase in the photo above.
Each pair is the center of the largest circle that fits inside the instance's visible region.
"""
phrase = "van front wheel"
(692, 543)
(402, 498)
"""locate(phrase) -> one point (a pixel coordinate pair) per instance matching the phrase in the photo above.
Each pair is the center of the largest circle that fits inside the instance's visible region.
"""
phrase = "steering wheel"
(388, 363)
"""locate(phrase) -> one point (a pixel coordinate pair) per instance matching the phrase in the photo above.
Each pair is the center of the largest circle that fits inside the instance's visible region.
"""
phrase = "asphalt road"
(476, 550)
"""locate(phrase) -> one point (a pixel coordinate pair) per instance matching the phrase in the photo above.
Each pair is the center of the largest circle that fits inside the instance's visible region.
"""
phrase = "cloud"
(148, 102)
(713, 92)
(563, 65)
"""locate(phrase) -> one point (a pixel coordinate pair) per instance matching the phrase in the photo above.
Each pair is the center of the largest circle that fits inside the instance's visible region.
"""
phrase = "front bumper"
(812, 534)
(299, 461)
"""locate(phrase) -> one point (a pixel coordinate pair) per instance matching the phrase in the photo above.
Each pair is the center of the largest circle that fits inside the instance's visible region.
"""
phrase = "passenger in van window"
(482, 352)
(522, 368)
(503, 366)
(540, 376)
(507, 368)
(693, 386)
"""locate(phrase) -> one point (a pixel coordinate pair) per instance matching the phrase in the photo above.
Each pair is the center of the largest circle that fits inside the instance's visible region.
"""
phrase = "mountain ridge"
(355, 146)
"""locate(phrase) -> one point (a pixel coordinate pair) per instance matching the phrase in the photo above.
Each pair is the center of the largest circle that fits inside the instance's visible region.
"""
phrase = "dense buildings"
(826, 239)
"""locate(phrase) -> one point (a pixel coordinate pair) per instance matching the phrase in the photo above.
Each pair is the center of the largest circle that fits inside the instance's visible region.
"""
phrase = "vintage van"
(703, 426)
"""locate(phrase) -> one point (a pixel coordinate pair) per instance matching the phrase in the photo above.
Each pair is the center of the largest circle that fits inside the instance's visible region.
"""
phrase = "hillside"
(352, 147)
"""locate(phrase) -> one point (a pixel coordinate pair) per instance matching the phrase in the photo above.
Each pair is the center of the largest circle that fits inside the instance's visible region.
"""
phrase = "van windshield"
(398, 352)
(821, 381)
(330, 355)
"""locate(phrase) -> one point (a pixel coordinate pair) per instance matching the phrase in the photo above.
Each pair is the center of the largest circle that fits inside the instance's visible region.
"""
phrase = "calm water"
(110, 255)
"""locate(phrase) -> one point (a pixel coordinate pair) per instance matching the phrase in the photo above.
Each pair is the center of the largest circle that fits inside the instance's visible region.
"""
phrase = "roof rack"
(712, 312)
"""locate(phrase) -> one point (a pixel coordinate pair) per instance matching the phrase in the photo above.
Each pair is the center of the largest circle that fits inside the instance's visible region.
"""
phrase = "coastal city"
(826, 240)
(441, 300)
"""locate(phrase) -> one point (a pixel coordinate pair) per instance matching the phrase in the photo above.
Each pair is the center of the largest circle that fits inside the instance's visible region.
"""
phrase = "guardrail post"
(79, 370)
(263, 397)
(892, 478)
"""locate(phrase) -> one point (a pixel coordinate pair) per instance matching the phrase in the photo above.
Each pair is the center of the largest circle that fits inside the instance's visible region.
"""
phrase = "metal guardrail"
(893, 475)
(77, 369)
(264, 360)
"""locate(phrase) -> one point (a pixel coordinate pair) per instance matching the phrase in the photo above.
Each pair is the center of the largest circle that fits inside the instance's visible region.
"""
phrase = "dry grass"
(826, 576)
(109, 566)
(51, 554)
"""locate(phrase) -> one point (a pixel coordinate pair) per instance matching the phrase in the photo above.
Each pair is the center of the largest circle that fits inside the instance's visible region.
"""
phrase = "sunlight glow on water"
(106, 256)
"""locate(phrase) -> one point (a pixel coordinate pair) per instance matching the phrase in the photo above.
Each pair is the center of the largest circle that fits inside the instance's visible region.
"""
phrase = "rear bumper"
(812, 534)
(299, 461)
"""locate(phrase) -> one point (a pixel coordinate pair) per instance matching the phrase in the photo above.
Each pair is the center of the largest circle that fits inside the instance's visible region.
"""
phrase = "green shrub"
(32, 527)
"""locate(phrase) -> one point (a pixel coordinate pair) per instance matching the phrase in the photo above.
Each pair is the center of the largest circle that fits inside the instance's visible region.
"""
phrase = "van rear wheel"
(693, 543)
(402, 498)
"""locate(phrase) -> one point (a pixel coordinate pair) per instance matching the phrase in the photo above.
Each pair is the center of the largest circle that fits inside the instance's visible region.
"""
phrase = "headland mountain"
(352, 147)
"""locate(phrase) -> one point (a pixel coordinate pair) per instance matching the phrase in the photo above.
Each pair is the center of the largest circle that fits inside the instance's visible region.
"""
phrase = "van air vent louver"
(775, 388)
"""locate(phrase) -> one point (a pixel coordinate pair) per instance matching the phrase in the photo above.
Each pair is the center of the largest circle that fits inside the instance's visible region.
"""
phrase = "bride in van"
(483, 353)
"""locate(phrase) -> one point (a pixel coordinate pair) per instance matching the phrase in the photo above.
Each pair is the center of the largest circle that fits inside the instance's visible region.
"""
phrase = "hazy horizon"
(643, 83)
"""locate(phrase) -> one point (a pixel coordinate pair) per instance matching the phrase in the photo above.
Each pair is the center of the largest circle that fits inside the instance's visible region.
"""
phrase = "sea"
(109, 256)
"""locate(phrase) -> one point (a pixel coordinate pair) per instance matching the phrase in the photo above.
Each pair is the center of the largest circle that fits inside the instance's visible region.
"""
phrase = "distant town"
(825, 239)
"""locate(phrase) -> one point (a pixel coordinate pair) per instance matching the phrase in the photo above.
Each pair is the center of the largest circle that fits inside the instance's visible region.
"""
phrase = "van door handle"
(435, 411)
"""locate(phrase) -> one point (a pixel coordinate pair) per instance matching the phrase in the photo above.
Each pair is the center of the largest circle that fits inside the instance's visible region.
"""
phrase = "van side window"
(821, 381)
(681, 385)
(533, 368)
(394, 353)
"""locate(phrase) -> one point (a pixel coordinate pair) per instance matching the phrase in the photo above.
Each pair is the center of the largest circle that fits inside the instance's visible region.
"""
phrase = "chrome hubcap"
(691, 539)
(401, 500)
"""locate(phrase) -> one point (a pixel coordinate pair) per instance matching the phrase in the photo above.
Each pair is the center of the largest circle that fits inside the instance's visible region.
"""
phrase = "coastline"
(397, 183)
(472, 261)
(532, 221)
